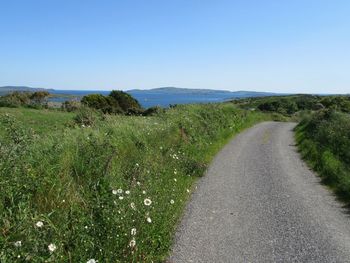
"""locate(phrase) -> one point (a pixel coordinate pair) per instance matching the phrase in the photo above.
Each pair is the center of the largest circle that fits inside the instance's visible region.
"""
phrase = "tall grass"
(324, 141)
(112, 191)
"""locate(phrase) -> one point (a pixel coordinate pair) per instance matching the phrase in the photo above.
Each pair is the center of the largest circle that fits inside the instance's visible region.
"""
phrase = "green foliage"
(324, 141)
(26, 99)
(69, 179)
(115, 102)
(125, 100)
(71, 105)
(289, 105)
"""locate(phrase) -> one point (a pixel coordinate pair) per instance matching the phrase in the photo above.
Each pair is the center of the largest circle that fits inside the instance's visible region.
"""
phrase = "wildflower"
(18, 243)
(52, 247)
(175, 179)
(144, 192)
(133, 206)
(92, 261)
(121, 197)
(114, 192)
(137, 165)
(138, 183)
(172, 201)
(149, 220)
(147, 201)
(187, 190)
(132, 243)
(120, 191)
(127, 192)
(133, 231)
(39, 224)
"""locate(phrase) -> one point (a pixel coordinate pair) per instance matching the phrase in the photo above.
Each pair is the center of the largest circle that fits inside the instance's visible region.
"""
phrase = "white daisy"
(147, 201)
(39, 224)
(52, 247)
(133, 231)
(18, 243)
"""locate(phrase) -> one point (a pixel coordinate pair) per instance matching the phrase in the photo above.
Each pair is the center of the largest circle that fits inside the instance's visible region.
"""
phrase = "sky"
(299, 46)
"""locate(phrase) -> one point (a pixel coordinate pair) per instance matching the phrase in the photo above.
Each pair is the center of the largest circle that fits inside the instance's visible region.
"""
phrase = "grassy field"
(324, 142)
(113, 191)
(41, 121)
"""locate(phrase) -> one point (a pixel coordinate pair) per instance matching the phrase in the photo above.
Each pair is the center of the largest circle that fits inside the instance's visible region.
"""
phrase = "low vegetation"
(290, 105)
(111, 189)
(27, 99)
(324, 142)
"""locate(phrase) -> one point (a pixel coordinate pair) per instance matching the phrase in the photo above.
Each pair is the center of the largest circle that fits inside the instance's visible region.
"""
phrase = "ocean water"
(153, 98)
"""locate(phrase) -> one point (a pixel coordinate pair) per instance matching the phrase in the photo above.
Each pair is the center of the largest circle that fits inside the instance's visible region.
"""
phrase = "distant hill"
(174, 90)
(8, 89)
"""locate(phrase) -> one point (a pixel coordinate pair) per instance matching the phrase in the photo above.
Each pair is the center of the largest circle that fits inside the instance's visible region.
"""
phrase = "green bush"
(324, 141)
(116, 102)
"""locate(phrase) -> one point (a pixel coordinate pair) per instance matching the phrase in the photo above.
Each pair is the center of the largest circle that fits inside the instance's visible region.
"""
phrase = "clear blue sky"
(265, 45)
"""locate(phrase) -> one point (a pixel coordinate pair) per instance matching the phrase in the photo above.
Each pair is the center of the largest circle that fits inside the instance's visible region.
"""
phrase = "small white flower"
(18, 243)
(114, 192)
(175, 179)
(144, 192)
(52, 247)
(138, 183)
(149, 220)
(39, 224)
(121, 197)
(92, 261)
(137, 165)
(172, 201)
(120, 191)
(133, 231)
(187, 190)
(127, 192)
(133, 206)
(147, 201)
(132, 243)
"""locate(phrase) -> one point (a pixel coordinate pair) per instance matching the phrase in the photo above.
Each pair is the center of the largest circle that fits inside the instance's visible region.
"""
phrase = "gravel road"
(260, 203)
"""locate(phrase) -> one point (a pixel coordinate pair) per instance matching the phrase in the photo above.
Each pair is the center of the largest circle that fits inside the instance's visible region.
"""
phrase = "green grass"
(324, 142)
(41, 121)
(68, 178)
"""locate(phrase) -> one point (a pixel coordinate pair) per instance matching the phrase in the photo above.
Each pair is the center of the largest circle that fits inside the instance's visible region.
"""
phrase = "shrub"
(324, 140)
(125, 100)
(86, 117)
(70, 105)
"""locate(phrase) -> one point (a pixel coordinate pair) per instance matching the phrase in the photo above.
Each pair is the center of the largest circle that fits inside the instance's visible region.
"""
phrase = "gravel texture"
(259, 202)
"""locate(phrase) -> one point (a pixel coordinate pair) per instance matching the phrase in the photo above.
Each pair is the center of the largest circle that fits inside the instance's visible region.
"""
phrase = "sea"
(151, 98)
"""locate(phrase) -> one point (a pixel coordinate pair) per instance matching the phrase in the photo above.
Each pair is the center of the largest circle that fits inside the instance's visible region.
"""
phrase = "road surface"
(260, 203)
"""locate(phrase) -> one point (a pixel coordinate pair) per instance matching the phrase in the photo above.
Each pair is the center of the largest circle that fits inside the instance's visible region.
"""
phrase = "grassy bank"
(324, 142)
(113, 191)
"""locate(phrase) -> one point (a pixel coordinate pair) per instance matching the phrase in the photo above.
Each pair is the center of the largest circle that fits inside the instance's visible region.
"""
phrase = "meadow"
(112, 189)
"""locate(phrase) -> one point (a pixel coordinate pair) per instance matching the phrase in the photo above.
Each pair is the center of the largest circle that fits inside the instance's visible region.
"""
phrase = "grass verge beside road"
(324, 142)
(112, 191)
